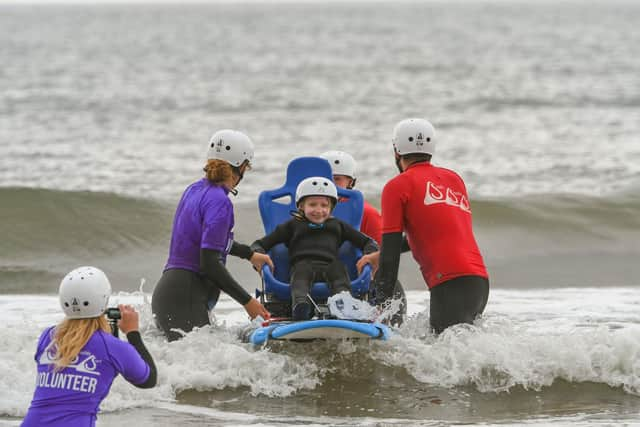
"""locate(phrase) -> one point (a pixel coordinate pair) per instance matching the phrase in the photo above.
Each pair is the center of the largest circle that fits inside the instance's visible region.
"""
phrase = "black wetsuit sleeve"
(135, 339)
(370, 247)
(214, 270)
(240, 250)
(405, 245)
(282, 234)
(388, 268)
(360, 240)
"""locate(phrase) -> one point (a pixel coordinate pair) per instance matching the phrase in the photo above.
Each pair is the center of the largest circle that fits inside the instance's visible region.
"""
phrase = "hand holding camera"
(129, 321)
(126, 318)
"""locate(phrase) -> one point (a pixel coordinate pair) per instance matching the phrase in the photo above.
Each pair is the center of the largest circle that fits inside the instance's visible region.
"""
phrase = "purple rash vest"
(203, 220)
(71, 397)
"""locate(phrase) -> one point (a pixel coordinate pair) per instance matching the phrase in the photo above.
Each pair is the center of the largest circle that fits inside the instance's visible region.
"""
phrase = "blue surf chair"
(275, 207)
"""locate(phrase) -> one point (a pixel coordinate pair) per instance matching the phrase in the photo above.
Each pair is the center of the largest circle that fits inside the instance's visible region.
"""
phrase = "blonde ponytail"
(72, 335)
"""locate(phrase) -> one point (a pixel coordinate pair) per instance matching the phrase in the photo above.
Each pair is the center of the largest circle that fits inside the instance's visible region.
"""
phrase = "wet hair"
(417, 157)
(72, 335)
(218, 171)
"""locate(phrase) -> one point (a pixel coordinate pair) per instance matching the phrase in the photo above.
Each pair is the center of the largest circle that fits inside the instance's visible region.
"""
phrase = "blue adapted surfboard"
(324, 329)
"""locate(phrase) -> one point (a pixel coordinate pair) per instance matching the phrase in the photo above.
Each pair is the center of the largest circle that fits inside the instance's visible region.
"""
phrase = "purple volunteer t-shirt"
(71, 396)
(203, 220)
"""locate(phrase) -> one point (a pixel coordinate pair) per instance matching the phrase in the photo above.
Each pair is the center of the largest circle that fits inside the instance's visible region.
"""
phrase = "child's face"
(316, 208)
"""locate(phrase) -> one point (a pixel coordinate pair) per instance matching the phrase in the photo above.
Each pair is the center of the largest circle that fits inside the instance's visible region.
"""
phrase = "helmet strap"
(237, 172)
(300, 216)
(352, 184)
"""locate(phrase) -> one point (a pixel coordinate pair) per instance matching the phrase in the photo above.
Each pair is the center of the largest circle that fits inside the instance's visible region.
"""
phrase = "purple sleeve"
(217, 222)
(42, 342)
(126, 360)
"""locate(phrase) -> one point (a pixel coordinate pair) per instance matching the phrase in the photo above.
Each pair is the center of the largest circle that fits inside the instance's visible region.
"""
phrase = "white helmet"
(84, 293)
(316, 186)
(232, 146)
(414, 136)
(341, 163)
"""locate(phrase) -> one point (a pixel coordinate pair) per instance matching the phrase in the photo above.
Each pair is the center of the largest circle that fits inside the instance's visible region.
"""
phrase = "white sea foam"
(526, 338)
(529, 339)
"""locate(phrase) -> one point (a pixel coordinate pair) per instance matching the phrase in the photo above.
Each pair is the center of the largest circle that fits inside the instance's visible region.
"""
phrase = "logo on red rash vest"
(440, 194)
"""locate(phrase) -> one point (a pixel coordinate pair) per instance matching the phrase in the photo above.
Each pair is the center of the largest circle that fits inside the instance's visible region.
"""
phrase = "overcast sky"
(225, 1)
(177, 1)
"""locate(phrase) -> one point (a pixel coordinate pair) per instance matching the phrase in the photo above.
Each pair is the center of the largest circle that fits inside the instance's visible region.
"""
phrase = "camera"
(113, 314)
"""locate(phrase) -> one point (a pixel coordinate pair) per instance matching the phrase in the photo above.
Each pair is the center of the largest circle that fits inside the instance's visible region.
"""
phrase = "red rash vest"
(430, 204)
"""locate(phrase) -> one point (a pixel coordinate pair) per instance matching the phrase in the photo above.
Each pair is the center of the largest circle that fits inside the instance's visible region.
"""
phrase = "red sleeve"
(372, 223)
(393, 200)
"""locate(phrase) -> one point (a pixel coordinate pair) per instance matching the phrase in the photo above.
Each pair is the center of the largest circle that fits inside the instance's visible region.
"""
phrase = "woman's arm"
(135, 339)
(257, 259)
(214, 270)
(212, 267)
(129, 325)
(240, 250)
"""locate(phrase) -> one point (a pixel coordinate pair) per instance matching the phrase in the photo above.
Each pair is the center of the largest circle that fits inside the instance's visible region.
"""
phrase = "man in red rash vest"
(430, 204)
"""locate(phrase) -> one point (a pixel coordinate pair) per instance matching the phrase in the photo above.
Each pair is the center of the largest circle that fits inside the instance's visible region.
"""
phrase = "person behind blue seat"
(201, 239)
(313, 238)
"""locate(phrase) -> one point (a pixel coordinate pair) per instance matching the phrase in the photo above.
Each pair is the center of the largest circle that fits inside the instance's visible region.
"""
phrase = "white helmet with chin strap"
(84, 293)
(341, 163)
(232, 146)
(414, 136)
(316, 186)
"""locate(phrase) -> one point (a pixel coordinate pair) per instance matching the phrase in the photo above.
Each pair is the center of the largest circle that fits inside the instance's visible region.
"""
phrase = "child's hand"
(258, 260)
(372, 259)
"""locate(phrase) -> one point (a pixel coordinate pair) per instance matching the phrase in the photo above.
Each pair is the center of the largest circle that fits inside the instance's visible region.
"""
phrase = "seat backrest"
(276, 205)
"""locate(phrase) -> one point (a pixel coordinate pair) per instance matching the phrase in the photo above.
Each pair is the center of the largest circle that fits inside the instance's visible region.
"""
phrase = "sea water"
(541, 356)
(105, 115)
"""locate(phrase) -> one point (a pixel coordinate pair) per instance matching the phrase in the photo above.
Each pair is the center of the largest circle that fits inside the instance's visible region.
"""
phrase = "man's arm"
(405, 244)
(387, 275)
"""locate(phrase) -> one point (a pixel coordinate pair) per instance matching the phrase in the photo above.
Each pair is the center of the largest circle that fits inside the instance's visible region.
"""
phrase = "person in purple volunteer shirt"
(201, 239)
(79, 358)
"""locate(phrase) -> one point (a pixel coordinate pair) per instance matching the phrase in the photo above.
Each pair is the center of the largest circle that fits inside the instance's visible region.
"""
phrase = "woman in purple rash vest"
(201, 239)
(79, 358)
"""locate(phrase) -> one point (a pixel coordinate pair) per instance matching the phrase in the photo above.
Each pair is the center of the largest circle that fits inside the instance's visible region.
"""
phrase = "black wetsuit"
(459, 300)
(313, 253)
(182, 298)
(135, 339)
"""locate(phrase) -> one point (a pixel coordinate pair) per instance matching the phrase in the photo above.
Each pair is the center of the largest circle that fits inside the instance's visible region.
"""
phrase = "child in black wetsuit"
(313, 238)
